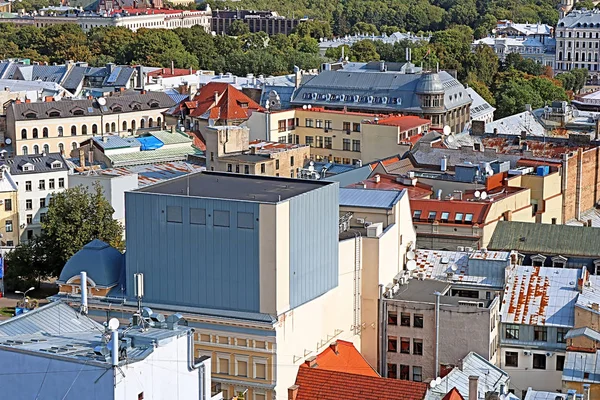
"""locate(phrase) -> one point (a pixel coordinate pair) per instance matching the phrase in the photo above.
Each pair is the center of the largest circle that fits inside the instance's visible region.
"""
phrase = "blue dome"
(102, 263)
(430, 83)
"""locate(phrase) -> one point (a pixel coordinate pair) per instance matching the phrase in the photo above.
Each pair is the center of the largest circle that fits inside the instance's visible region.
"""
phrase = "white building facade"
(577, 42)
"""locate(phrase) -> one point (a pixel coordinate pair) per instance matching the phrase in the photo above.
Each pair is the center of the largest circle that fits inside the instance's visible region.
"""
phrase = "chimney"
(595, 306)
(81, 158)
(581, 282)
(90, 97)
(297, 77)
(334, 347)
(18, 101)
(590, 222)
(114, 346)
(293, 392)
(27, 100)
(311, 362)
(377, 178)
(597, 132)
(172, 67)
(48, 99)
(91, 157)
(382, 66)
(84, 293)
(586, 391)
(143, 92)
(473, 387)
(191, 71)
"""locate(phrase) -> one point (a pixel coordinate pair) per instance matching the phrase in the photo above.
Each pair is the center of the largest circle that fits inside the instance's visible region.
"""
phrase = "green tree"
(587, 4)
(26, 266)
(65, 42)
(315, 29)
(238, 28)
(365, 29)
(76, 217)
(484, 64)
(112, 41)
(481, 89)
(364, 50)
(160, 47)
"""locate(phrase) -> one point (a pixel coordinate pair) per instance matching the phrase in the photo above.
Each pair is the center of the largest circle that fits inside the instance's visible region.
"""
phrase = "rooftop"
(580, 19)
(546, 239)
(161, 155)
(582, 367)
(342, 356)
(461, 212)
(109, 142)
(252, 188)
(152, 173)
(479, 106)
(369, 198)
(265, 147)
(513, 125)
(541, 296)
(422, 291)
(539, 395)
(590, 294)
(36, 164)
(390, 182)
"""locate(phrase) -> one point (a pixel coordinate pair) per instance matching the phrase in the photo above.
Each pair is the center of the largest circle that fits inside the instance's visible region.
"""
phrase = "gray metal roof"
(54, 319)
(41, 163)
(422, 154)
(114, 105)
(584, 331)
(74, 78)
(161, 155)
(539, 395)
(580, 19)
(368, 90)
(102, 263)
(369, 198)
(578, 363)
(45, 73)
(479, 105)
(108, 142)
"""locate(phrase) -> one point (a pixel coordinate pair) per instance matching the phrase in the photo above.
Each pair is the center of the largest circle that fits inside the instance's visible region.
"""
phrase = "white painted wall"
(525, 376)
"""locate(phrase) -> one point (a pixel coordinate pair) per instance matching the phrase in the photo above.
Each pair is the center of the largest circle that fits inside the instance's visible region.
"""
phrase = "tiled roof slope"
(315, 383)
(454, 394)
(228, 104)
(347, 359)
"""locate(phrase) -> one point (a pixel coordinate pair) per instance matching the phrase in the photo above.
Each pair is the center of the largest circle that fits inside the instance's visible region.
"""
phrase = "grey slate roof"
(45, 73)
(578, 363)
(422, 154)
(102, 263)
(343, 85)
(41, 163)
(74, 78)
(584, 331)
(65, 108)
(54, 318)
(580, 18)
(369, 198)
(546, 239)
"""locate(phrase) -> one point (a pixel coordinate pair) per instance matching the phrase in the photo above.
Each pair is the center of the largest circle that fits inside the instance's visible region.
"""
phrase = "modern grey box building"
(233, 242)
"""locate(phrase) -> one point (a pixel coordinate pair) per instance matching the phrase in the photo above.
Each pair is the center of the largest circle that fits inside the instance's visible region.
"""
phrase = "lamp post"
(24, 294)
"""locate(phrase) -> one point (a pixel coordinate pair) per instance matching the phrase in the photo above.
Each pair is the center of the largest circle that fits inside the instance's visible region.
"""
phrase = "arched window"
(150, 122)
(133, 125)
(576, 56)
(107, 128)
(25, 150)
(34, 133)
(23, 133)
(560, 56)
(60, 131)
(36, 149)
(73, 130)
(113, 127)
(45, 132)
(125, 126)
(142, 124)
(61, 148)
(74, 145)
(46, 149)
(159, 122)
(94, 129)
(84, 129)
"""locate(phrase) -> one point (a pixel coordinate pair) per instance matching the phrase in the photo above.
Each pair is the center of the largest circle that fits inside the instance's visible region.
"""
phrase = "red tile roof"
(404, 122)
(388, 182)
(230, 103)
(478, 209)
(454, 394)
(319, 384)
(347, 359)
(168, 72)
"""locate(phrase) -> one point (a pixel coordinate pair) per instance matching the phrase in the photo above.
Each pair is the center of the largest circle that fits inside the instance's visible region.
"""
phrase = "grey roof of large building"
(109, 142)
(46, 88)
(41, 163)
(584, 331)
(370, 198)
(479, 106)
(338, 89)
(102, 263)
(54, 319)
(582, 367)
(580, 19)
(86, 108)
(546, 239)
(423, 155)
(45, 73)
(220, 185)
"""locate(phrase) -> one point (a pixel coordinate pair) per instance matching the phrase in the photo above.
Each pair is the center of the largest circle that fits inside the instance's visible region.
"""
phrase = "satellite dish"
(432, 384)
(113, 324)
(410, 255)
(309, 106)
(411, 265)
(7, 141)
(576, 113)
(438, 380)
(101, 101)
(304, 107)
(484, 195)
(447, 130)
(450, 139)
(454, 268)
(477, 193)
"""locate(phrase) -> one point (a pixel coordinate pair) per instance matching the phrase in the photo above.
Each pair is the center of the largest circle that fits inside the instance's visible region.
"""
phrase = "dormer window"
(244, 105)
(135, 106)
(153, 104)
(54, 113)
(28, 167)
(56, 165)
(77, 111)
(116, 108)
(30, 115)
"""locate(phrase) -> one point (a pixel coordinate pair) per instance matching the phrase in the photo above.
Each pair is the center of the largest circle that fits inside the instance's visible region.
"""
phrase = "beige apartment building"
(545, 195)
(228, 149)
(60, 126)
(9, 217)
(340, 136)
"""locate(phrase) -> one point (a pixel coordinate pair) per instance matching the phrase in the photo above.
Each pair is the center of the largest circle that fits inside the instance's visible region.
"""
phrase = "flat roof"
(222, 185)
(422, 291)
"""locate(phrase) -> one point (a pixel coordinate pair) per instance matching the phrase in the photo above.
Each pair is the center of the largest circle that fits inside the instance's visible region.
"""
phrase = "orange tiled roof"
(230, 103)
(388, 182)
(404, 122)
(168, 72)
(347, 359)
(478, 209)
(454, 394)
(316, 383)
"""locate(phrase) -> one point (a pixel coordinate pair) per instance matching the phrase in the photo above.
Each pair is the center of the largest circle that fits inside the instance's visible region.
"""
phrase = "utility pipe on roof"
(83, 286)
(437, 333)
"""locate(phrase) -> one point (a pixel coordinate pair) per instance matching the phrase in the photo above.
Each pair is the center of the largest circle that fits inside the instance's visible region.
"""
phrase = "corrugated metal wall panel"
(192, 265)
(313, 244)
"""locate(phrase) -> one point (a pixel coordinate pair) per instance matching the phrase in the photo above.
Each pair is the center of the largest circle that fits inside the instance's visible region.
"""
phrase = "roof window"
(458, 218)
(469, 218)
(445, 216)
(431, 216)
(417, 214)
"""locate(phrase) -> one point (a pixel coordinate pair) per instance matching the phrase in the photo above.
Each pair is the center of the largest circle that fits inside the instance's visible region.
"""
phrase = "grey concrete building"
(466, 324)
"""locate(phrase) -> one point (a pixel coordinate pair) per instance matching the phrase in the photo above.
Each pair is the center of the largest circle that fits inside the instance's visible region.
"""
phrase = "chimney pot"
(83, 287)
(595, 306)
(473, 387)
(311, 362)
(48, 99)
(27, 100)
(293, 392)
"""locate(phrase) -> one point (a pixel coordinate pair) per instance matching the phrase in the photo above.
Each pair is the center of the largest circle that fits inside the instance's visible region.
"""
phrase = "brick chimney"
(581, 282)
(27, 100)
(311, 362)
(293, 392)
(48, 99)
(595, 306)
(334, 347)
(81, 158)
(18, 101)
(473, 387)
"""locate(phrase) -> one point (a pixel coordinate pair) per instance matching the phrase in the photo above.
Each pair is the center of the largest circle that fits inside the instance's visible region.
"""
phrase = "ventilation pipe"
(473, 387)
(443, 164)
(113, 327)
(84, 299)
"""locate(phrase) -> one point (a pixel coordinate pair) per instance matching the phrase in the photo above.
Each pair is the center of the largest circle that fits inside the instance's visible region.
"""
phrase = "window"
(73, 130)
(150, 122)
(392, 371)
(418, 321)
(291, 124)
(319, 123)
(8, 226)
(539, 361)
(245, 220)
(42, 184)
(309, 141)
(417, 374)
(46, 149)
(141, 396)
(242, 368)
(327, 124)
(445, 216)
(405, 319)
(142, 123)
(61, 183)
(221, 218)
(328, 142)
(431, 216)
(61, 148)
(84, 128)
(356, 127)
(229, 168)
(28, 204)
(29, 234)
(34, 133)
(60, 131)
(540, 333)
(346, 144)
(10, 243)
(237, 168)
(174, 214)
(392, 318)
(392, 344)
(246, 169)
(560, 335)
(28, 186)
(281, 125)
(291, 161)
(29, 218)
(24, 134)
(404, 372)
(223, 366)
(25, 151)
(418, 347)
(43, 217)
(43, 202)
(276, 164)
(320, 141)
(36, 149)
(417, 215)
(405, 345)
(309, 122)
(197, 216)
(45, 132)
(262, 168)
(469, 218)
(50, 183)
(458, 218)
(511, 359)
(512, 332)
(346, 126)
(356, 145)
(260, 371)
(113, 127)
(8, 205)
(560, 362)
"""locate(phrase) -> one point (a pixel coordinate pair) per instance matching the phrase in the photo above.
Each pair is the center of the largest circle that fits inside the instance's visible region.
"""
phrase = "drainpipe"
(565, 165)
(579, 182)
(437, 333)
(382, 348)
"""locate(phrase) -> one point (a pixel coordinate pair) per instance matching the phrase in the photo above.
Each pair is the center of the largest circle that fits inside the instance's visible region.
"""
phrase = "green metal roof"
(169, 138)
(546, 239)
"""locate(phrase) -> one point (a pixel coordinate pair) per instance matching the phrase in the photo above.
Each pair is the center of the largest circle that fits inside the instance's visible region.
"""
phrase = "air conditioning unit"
(449, 275)
(460, 248)
(360, 220)
(549, 354)
(526, 352)
(469, 249)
